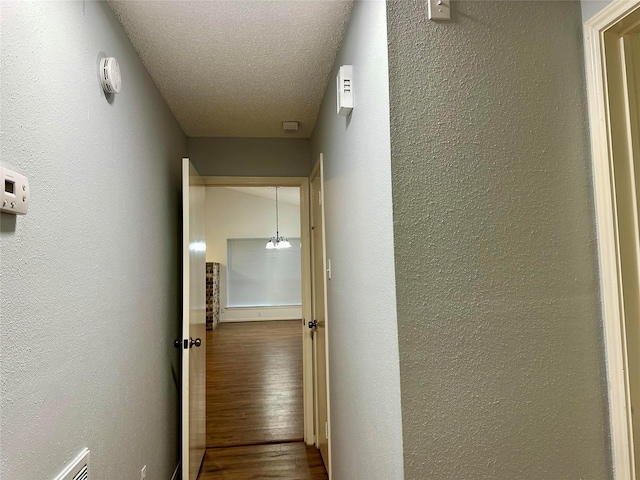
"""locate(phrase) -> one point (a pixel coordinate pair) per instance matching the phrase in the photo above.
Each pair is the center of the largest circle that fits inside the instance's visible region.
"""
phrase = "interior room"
(479, 222)
(254, 330)
(240, 221)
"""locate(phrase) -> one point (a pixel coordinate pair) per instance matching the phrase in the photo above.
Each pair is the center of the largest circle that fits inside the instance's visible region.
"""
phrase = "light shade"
(283, 243)
(277, 241)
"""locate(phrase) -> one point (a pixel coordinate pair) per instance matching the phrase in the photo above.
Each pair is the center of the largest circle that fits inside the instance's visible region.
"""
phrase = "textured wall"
(499, 319)
(89, 285)
(252, 157)
(364, 374)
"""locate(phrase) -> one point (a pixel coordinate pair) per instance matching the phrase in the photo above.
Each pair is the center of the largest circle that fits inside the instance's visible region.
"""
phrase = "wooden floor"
(294, 461)
(254, 383)
(254, 404)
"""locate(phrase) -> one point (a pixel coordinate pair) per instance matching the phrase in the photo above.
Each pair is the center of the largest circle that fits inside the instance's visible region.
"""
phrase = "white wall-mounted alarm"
(344, 81)
(14, 192)
(110, 75)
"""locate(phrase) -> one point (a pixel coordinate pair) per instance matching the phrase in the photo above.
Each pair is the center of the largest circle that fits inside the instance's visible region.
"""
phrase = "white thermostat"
(14, 197)
(344, 81)
(110, 75)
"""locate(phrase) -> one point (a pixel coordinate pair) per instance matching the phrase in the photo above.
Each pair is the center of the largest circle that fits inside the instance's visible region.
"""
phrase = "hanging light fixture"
(277, 242)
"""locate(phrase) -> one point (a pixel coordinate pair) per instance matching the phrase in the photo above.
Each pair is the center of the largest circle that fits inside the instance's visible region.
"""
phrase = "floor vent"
(78, 469)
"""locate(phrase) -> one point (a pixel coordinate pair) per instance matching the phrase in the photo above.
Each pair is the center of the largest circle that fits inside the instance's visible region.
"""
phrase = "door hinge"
(320, 198)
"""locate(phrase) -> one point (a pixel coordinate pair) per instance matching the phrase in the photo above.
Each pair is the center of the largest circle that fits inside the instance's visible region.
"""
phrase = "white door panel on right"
(319, 315)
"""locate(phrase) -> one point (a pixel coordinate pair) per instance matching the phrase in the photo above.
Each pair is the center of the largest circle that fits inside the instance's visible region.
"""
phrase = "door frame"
(305, 237)
(606, 220)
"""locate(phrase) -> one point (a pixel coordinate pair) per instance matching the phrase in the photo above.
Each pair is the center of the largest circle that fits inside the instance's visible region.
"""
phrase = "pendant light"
(277, 242)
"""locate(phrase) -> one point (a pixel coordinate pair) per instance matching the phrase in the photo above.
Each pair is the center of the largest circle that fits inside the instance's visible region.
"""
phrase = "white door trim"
(305, 237)
(606, 215)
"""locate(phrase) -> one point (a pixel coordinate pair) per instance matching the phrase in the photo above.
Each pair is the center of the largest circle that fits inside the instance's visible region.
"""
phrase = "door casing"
(604, 116)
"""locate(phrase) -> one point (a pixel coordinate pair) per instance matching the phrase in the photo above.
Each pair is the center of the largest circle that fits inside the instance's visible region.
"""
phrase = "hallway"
(254, 404)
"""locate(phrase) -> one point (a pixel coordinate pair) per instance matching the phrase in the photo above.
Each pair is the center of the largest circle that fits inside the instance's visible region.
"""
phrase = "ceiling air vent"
(78, 469)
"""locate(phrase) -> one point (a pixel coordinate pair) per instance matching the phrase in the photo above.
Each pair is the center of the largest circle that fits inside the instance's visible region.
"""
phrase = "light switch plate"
(14, 192)
(439, 9)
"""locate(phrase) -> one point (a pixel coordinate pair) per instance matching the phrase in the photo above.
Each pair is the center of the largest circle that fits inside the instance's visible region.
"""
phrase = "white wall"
(89, 286)
(364, 373)
(233, 214)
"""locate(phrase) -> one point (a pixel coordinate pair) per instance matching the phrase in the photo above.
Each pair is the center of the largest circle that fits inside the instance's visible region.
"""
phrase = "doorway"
(259, 330)
(254, 355)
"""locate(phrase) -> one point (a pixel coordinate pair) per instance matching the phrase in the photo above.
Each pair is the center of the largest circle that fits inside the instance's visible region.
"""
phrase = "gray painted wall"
(364, 372)
(89, 278)
(254, 157)
(500, 334)
(591, 7)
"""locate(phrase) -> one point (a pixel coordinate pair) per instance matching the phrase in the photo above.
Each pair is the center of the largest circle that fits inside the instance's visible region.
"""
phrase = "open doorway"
(255, 385)
(255, 401)
(256, 283)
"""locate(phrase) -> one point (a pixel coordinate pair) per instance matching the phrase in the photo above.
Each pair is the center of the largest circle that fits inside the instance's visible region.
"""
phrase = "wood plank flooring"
(293, 461)
(254, 383)
(254, 404)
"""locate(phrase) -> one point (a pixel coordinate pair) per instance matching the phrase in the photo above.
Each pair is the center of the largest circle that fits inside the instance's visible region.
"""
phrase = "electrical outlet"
(143, 473)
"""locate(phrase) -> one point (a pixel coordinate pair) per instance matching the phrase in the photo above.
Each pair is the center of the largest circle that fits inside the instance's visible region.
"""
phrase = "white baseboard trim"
(252, 314)
(175, 472)
(261, 319)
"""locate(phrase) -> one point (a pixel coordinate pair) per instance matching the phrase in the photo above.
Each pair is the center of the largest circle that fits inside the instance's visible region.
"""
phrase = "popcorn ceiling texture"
(238, 69)
(500, 335)
(89, 286)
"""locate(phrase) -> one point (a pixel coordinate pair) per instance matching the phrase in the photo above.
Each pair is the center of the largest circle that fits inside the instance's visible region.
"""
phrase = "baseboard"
(260, 319)
(175, 472)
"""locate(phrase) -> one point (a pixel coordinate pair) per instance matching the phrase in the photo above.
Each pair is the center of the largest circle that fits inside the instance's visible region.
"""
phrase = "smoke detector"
(110, 75)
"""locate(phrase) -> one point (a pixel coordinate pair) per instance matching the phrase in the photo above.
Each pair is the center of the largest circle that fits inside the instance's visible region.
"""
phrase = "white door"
(629, 222)
(319, 306)
(623, 75)
(193, 322)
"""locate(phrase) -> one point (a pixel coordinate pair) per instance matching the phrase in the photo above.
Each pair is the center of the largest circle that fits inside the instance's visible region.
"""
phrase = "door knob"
(187, 343)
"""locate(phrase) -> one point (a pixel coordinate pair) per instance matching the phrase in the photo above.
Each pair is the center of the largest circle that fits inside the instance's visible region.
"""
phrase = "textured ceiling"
(238, 68)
